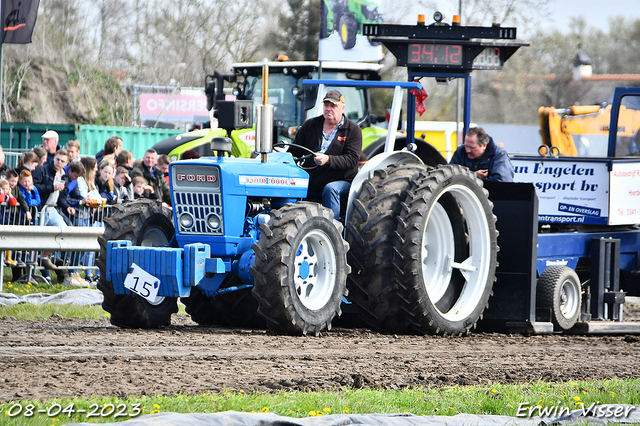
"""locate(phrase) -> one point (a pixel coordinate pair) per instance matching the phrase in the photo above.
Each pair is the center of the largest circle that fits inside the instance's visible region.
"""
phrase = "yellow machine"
(584, 130)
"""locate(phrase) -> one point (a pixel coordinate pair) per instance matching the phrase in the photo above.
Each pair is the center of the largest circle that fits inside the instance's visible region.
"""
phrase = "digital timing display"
(435, 54)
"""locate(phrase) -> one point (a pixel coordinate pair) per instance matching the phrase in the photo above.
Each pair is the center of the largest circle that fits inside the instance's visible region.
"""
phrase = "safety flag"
(18, 20)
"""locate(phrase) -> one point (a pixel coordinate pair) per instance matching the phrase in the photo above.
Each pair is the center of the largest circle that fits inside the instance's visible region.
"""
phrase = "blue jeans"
(53, 218)
(332, 193)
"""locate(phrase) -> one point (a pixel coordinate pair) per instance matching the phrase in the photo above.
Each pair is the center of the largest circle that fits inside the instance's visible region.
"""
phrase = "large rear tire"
(301, 269)
(144, 223)
(370, 234)
(560, 291)
(446, 251)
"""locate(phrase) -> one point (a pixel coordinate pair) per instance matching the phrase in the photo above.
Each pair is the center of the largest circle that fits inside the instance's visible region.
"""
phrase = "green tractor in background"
(347, 17)
(292, 102)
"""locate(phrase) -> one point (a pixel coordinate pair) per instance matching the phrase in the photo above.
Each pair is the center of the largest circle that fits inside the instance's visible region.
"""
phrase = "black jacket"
(344, 152)
(43, 177)
(156, 180)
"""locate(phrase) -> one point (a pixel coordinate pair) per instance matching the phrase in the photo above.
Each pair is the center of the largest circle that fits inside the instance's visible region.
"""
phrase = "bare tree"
(203, 35)
(112, 24)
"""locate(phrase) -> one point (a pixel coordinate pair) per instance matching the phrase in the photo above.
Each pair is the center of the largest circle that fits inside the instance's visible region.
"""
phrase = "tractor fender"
(427, 152)
(380, 161)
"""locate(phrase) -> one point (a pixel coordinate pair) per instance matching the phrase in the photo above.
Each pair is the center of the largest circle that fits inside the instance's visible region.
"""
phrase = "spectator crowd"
(58, 186)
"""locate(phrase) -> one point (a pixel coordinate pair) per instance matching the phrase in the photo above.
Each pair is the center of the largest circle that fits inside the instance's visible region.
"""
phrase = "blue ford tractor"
(247, 248)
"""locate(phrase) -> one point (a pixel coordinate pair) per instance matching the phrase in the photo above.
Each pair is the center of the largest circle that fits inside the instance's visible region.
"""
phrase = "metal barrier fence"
(34, 246)
(11, 158)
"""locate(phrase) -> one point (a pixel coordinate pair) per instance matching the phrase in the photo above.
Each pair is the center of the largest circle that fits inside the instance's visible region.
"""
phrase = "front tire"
(300, 269)
(144, 223)
(560, 291)
(446, 251)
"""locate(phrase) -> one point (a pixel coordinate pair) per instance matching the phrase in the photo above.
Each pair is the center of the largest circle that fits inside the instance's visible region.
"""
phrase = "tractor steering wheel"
(300, 160)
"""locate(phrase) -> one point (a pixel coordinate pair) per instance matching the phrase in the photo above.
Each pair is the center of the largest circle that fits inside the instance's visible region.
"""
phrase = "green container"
(134, 139)
(26, 136)
(19, 137)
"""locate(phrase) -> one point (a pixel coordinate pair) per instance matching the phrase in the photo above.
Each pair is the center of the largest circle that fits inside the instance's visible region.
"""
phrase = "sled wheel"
(559, 289)
(300, 269)
(446, 251)
(348, 31)
(370, 234)
(144, 223)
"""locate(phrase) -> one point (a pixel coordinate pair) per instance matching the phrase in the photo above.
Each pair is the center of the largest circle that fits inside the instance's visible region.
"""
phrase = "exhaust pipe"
(264, 119)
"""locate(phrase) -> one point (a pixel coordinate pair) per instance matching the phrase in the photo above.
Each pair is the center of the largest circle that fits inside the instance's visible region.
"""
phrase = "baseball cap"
(334, 97)
(50, 134)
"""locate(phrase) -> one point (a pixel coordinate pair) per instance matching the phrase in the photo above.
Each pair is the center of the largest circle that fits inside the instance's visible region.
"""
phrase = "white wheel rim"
(315, 270)
(438, 252)
(154, 237)
(569, 299)
(438, 244)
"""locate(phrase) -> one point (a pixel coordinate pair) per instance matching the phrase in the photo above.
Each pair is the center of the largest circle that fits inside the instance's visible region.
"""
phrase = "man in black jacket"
(154, 177)
(52, 183)
(337, 144)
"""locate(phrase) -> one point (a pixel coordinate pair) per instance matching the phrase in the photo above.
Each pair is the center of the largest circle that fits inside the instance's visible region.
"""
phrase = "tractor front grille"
(200, 207)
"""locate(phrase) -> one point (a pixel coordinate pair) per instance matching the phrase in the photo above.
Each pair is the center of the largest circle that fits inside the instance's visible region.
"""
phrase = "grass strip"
(499, 399)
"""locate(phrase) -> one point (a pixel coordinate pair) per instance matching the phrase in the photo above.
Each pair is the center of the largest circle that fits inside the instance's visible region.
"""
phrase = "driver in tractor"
(483, 156)
(336, 144)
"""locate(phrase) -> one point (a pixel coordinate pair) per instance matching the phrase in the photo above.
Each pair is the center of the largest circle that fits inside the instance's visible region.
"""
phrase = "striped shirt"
(327, 139)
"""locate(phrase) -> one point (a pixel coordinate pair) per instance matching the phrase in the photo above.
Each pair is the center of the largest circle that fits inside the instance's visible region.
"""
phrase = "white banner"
(568, 191)
(625, 194)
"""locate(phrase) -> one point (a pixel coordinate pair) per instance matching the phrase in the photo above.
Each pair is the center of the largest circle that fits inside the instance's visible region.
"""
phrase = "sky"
(597, 13)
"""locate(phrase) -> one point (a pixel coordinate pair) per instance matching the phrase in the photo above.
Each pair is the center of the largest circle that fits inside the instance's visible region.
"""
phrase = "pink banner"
(181, 107)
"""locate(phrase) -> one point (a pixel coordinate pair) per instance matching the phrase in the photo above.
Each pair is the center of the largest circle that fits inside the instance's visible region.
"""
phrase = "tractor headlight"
(186, 220)
(213, 221)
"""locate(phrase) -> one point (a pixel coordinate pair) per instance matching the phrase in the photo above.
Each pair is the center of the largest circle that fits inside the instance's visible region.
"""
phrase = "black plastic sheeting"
(605, 414)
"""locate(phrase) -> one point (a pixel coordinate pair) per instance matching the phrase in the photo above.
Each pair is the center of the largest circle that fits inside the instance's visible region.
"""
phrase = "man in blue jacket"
(483, 156)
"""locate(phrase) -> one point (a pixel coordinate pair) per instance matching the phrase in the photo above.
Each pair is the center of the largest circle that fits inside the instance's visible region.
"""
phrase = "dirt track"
(63, 358)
